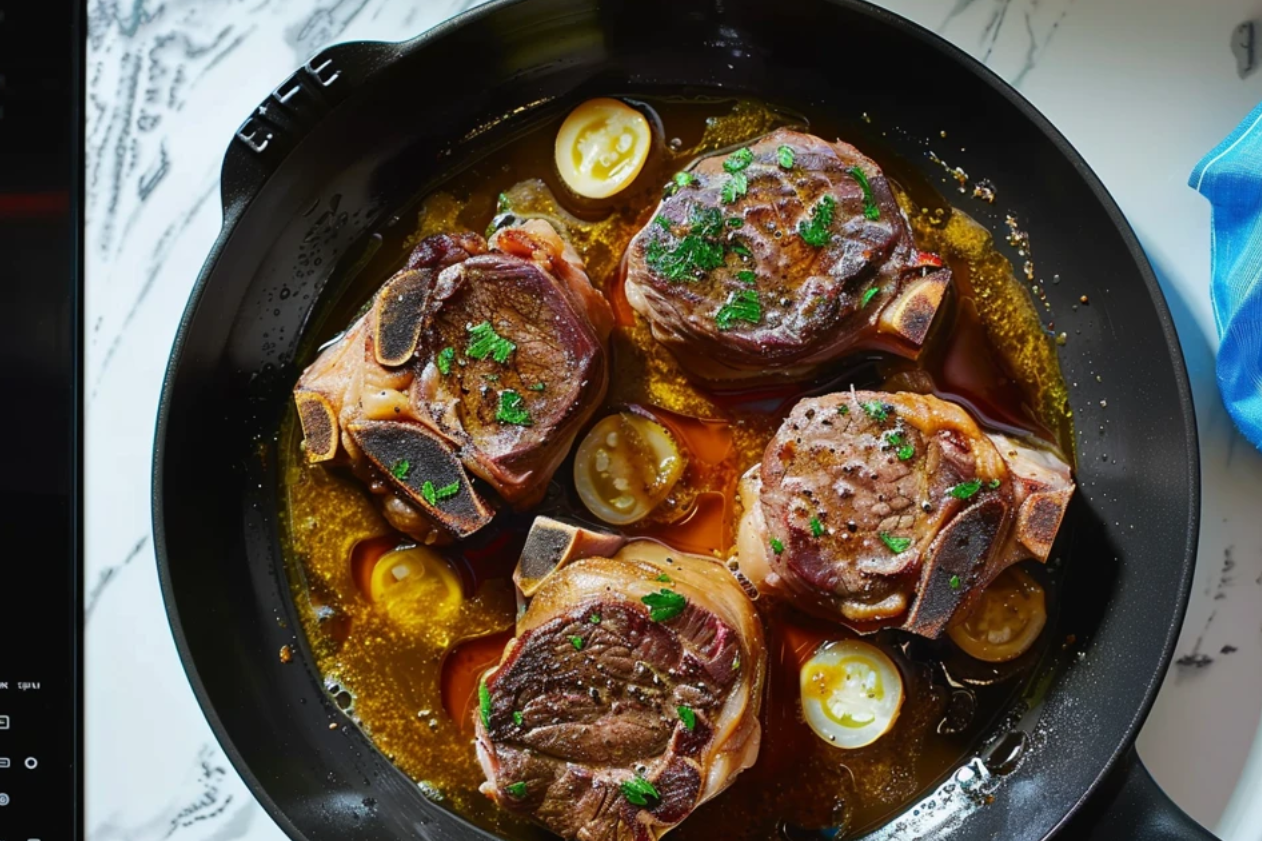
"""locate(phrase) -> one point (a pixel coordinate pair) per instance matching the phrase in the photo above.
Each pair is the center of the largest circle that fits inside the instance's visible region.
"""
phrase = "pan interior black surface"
(399, 116)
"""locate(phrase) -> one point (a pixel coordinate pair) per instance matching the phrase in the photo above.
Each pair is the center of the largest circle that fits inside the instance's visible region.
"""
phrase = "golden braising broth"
(406, 670)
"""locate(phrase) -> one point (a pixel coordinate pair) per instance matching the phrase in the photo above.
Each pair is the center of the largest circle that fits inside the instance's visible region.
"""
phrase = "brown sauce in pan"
(408, 679)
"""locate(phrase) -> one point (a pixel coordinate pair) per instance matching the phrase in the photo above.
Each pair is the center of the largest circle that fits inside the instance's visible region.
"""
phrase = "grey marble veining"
(1141, 87)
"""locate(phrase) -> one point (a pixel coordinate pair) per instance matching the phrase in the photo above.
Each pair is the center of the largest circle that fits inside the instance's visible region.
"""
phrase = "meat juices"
(812, 261)
(608, 719)
(477, 359)
(878, 510)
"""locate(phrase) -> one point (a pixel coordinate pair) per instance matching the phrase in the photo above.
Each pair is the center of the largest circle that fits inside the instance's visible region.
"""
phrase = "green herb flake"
(876, 410)
(746, 276)
(428, 493)
(516, 790)
(817, 528)
(502, 203)
(776, 546)
(965, 490)
(577, 642)
(906, 452)
(444, 359)
(698, 251)
(685, 179)
(742, 305)
(484, 342)
(518, 718)
(484, 702)
(992, 484)
(870, 211)
(741, 248)
(735, 222)
(537, 386)
(815, 230)
(664, 578)
(664, 604)
(400, 469)
(784, 156)
(736, 663)
(594, 619)
(662, 222)
(895, 544)
(738, 160)
(954, 582)
(513, 409)
(872, 292)
(843, 409)
(687, 716)
(733, 188)
(638, 790)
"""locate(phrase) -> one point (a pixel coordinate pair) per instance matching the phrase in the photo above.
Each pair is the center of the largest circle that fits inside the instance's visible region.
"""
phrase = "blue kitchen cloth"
(1230, 176)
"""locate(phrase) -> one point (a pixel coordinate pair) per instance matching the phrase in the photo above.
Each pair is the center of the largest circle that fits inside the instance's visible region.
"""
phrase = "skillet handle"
(291, 111)
(1130, 806)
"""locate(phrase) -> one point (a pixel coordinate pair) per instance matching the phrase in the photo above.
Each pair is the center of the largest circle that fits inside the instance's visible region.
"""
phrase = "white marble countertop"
(1141, 87)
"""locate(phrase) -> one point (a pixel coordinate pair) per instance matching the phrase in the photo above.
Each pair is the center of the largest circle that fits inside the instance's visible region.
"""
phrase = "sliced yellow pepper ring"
(625, 467)
(416, 579)
(1006, 620)
(851, 693)
(601, 147)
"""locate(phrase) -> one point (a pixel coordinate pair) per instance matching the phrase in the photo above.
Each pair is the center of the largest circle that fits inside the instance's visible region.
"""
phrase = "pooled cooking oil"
(410, 680)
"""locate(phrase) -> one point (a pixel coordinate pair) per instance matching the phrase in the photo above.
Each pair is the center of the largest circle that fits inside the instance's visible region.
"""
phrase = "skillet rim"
(235, 209)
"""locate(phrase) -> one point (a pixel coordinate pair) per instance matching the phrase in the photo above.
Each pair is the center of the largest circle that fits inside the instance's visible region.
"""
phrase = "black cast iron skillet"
(364, 128)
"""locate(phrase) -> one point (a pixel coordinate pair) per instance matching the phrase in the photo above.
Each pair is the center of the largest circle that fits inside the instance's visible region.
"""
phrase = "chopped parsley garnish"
(895, 439)
(869, 295)
(594, 619)
(518, 718)
(870, 211)
(733, 188)
(434, 495)
(876, 410)
(741, 249)
(687, 716)
(817, 528)
(537, 386)
(895, 544)
(735, 222)
(400, 469)
(965, 490)
(484, 703)
(746, 276)
(444, 359)
(662, 222)
(664, 604)
(992, 484)
(577, 642)
(784, 156)
(736, 663)
(776, 546)
(501, 203)
(815, 231)
(954, 582)
(742, 305)
(512, 409)
(696, 252)
(685, 179)
(843, 409)
(516, 790)
(484, 342)
(738, 160)
(638, 790)
(664, 578)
